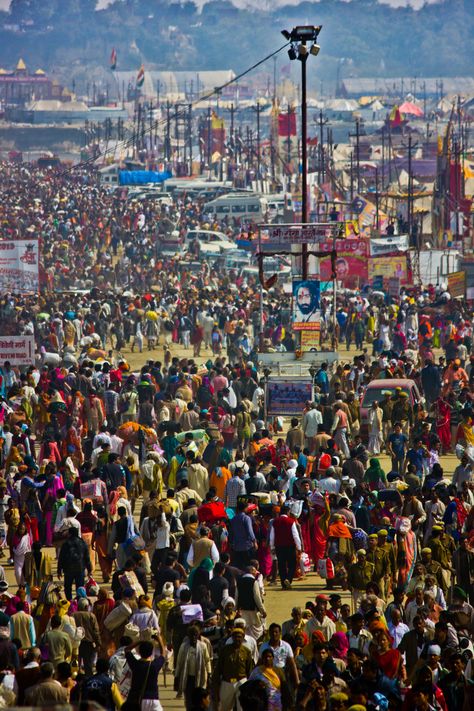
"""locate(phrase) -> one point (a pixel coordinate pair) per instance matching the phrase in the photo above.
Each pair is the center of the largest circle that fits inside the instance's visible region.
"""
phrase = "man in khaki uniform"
(441, 553)
(433, 568)
(402, 411)
(379, 558)
(359, 576)
(386, 405)
(390, 550)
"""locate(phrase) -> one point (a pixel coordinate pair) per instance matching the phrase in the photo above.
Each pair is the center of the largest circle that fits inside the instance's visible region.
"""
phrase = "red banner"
(287, 124)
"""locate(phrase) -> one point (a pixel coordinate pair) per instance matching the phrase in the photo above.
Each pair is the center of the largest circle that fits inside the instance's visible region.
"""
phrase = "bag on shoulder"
(133, 631)
(118, 616)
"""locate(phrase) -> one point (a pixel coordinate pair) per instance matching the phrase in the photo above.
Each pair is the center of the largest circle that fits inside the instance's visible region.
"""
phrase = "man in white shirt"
(116, 443)
(7, 440)
(462, 473)
(413, 607)
(214, 553)
(101, 438)
(397, 628)
(329, 483)
(69, 521)
(249, 599)
(358, 637)
(102, 451)
(311, 419)
(283, 657)
(64, 511)
(320, 622)
(284, 542)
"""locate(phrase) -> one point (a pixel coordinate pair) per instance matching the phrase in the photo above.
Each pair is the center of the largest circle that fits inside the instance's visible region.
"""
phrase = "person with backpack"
(113, 473)
(100, 688)
(73, 560)
(128, 402)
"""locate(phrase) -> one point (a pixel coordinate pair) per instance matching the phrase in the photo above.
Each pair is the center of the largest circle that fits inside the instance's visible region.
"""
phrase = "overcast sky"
(5, 4)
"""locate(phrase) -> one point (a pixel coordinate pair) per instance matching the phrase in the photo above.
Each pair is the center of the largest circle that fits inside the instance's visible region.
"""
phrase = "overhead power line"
(178, 114)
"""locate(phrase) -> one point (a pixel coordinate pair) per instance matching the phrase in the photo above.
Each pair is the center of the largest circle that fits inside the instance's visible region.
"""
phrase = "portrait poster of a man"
(306, 305)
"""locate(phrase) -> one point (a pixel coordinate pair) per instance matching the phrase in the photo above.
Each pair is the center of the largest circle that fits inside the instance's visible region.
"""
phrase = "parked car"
(209, 241)
(374, 393)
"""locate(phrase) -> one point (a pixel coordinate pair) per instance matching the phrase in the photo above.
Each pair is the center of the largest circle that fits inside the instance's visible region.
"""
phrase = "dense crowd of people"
(144, 514)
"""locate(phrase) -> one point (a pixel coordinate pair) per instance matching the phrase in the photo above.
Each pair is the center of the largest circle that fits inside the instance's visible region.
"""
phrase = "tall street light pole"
(299, 38)
(304, 164)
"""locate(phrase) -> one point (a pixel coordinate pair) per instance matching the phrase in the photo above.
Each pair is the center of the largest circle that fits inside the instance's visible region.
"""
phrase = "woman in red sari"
(101, 609)
(320, 528)
(389, 660)
(443, 423)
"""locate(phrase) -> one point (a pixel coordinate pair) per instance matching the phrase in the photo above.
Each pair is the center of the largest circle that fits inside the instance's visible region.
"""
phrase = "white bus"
(248, 208)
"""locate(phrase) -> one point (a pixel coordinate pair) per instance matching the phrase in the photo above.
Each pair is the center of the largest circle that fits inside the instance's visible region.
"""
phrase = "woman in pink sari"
(261, 527)
(407, 552)
(443, 423)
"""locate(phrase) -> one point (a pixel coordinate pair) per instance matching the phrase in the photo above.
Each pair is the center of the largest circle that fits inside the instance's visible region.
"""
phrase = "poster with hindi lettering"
(19, 266)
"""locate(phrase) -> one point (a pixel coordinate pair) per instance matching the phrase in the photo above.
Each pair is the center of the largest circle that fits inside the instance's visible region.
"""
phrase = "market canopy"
(411, 109)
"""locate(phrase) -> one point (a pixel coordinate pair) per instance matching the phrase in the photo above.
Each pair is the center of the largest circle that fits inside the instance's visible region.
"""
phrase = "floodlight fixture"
(292, 53)
(302, 51)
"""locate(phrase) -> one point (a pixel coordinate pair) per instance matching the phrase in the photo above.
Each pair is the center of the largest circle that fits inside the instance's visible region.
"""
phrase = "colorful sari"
(264, 554)
(272, 681)
(389, 662)
(443, 424)
(407, 552)
(320, 529)
(101, 609)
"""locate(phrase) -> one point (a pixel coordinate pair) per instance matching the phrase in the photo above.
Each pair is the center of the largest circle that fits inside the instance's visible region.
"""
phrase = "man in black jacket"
(73, 560)
(431, 381)
(113, 473)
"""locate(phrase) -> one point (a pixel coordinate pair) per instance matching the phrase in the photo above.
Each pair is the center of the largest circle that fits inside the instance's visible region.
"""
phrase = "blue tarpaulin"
(141, 177)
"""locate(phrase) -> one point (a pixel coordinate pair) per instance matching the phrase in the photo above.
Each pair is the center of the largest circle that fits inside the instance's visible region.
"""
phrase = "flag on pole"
(140, 77)
(113, 60)
(395, 117)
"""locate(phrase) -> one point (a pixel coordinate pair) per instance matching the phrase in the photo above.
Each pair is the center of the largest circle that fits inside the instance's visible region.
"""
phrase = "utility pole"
(383, 157)
(274, 77)
(352, 177)
(176, 132)
(358, 154)
(209, 138)
(258, 109)
(150, 120)
(288, 153)
(322, 169)
(377, 222)
(168, 130)
(410, 189)
(190, 137)
(304, 164)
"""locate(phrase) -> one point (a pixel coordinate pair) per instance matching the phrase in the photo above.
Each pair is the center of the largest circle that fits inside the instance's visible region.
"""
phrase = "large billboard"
(19, 266)
(351, 261)
(287, 396)
(389, 267)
